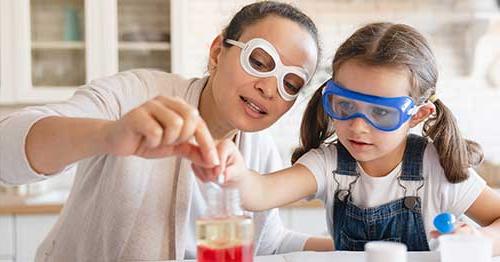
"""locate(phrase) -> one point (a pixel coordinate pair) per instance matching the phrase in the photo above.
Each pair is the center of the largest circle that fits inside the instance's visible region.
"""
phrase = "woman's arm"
(160, 127)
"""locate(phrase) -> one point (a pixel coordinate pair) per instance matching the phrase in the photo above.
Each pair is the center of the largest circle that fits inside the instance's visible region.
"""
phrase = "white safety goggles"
(259, 58)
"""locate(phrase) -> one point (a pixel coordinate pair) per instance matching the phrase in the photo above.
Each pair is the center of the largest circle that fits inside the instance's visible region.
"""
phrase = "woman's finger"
(191, 152)
(188, 113)
(199, 172)
(144, 124)
(171, 122)
(206, 143)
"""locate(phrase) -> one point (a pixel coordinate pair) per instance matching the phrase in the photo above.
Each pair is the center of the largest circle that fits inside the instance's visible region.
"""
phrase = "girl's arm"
(259, 192)
(486, 212)
(262, 192)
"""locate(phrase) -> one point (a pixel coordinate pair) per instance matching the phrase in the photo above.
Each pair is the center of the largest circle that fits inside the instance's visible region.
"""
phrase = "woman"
(134, 194)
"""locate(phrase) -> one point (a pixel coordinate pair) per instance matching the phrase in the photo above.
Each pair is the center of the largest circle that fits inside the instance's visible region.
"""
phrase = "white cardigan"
(131, 208)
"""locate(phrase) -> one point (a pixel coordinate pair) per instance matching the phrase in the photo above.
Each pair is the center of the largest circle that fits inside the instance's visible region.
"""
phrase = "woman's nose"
(267, 86)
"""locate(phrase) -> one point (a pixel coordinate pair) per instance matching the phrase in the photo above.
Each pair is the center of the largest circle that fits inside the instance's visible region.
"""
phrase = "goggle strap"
(414, 110)
(235, 43)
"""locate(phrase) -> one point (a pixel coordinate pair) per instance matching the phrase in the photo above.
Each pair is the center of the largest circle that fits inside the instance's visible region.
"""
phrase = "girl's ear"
(423, 113)
(215, 52)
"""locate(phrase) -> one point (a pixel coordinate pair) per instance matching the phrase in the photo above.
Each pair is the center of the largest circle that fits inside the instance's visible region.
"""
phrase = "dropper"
(445, 222)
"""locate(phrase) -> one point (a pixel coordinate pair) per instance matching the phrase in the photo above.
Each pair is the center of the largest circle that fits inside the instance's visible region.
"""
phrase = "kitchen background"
(49, 47)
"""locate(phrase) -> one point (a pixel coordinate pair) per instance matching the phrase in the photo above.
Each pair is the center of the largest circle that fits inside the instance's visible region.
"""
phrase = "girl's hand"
(460, 228)
(232, 165)
(161, 127)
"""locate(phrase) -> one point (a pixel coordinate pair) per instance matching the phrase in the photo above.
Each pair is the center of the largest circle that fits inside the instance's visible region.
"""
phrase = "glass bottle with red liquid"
(224, 233)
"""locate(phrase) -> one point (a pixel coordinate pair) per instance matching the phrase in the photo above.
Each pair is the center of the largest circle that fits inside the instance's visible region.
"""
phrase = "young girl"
(378, 181)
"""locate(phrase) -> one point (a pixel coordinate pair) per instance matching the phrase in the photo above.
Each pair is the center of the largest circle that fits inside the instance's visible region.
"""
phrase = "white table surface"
(344, 256)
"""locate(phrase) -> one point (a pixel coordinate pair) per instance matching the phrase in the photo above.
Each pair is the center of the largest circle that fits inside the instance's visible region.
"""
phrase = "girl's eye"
(380, 112)
(346, 105)
(345, 108)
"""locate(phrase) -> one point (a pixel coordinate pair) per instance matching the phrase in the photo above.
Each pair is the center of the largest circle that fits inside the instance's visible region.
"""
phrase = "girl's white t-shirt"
(437, 194)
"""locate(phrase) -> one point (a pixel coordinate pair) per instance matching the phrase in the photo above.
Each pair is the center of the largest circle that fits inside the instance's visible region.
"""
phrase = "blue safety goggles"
(383, 113)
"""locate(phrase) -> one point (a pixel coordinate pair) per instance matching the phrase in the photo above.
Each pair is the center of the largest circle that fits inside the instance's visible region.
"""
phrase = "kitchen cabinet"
(6, 237)
(48, 48)
(20, 235)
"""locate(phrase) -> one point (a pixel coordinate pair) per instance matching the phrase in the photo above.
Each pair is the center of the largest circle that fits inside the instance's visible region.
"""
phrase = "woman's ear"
(423, 113)
(215, 52)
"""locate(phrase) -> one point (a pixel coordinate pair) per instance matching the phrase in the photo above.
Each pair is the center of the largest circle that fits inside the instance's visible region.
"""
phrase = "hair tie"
(433, 98)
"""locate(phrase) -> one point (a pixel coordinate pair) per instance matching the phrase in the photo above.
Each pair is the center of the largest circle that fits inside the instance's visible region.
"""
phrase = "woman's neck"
(219, 128)
(384, 165)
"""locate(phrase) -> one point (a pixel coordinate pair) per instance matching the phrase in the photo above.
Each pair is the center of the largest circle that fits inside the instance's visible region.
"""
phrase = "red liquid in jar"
(241, 253)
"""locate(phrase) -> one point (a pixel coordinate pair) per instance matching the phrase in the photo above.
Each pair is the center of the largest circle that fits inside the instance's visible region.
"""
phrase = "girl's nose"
(359, 125)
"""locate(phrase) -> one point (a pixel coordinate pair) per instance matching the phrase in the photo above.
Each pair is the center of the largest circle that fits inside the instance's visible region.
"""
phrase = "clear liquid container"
(224, 233)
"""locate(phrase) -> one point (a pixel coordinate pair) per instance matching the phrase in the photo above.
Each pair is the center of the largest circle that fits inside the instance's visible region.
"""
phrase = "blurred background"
(48, 48)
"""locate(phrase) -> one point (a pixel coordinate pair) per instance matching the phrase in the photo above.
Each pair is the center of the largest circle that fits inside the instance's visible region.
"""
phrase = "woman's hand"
(232, 165)
(163, 126)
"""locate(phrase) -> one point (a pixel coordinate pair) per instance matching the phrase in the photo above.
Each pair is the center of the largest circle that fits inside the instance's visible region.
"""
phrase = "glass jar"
(224, 233)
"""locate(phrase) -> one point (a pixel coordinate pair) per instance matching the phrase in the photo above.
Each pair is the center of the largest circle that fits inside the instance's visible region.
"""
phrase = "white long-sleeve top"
(131, 208)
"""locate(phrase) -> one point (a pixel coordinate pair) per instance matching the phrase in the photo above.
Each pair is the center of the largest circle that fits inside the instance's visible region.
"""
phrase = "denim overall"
(399, 220)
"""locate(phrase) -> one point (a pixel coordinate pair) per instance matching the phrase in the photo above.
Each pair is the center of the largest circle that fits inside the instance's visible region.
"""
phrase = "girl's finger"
(435, 234)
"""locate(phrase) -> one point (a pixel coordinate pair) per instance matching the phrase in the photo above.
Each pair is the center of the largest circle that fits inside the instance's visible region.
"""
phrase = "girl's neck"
(382, 166)
(219, 128)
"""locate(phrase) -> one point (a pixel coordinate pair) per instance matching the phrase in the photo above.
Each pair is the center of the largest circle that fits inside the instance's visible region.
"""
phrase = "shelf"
(488, 15)
(149, 46)
(59, 45)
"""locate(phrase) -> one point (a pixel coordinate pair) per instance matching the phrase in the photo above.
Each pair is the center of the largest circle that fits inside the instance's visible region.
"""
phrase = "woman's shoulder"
(153, 81)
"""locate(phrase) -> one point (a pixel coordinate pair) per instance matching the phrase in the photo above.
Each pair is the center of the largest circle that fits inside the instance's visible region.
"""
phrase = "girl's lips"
(359, 145)
(357, 142)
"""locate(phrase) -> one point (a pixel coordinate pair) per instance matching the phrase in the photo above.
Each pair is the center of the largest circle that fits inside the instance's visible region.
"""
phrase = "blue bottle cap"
(445, 222)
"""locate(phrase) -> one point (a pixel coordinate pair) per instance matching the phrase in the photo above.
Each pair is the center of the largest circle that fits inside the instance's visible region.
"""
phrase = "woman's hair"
(253, 13)
(401, 47)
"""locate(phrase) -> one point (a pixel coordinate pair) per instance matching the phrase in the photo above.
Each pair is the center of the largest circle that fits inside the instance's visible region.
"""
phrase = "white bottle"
(385, 251)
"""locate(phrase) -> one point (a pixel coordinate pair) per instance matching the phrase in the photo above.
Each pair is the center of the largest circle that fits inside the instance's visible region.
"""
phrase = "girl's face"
(364, 142)
(249, 103)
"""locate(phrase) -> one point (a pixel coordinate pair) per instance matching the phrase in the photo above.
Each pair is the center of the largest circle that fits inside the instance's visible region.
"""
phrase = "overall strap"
(346, 164)
(413, 158)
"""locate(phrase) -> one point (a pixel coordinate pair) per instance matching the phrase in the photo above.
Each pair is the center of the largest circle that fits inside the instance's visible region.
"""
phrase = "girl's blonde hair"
(398, 46)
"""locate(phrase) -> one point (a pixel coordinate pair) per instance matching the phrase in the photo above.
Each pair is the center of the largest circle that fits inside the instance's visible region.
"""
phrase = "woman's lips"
(253, 108)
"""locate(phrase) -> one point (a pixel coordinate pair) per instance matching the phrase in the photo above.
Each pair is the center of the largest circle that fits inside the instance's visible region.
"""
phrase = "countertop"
(48, 203)
(342, 256)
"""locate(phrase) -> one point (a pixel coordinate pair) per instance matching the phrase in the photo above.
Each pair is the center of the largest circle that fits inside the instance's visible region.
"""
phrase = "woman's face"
(250, 103)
